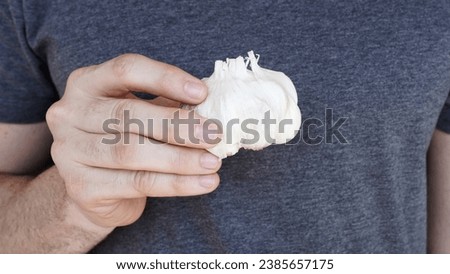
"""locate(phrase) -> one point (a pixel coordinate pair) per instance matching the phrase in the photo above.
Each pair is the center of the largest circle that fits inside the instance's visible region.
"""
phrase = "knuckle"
(55, 151)
(123, 65)
(123, 154)
(120, 108)
(55, 114)
(180, 185)
(75, 76)
(144, 181)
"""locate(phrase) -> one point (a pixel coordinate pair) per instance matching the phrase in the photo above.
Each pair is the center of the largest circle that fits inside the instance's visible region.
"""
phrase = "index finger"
(134, 72)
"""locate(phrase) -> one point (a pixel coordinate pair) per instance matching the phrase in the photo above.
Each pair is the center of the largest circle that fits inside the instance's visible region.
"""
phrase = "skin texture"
(95, 187)
(439, 193)
(25, 149)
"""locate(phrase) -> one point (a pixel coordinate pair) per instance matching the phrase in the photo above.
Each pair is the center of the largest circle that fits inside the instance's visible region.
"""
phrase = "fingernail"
(207, 181)
(194, 90)
(209, 161)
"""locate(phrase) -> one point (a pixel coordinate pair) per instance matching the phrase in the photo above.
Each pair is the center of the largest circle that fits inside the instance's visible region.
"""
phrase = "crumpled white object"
(236, 92)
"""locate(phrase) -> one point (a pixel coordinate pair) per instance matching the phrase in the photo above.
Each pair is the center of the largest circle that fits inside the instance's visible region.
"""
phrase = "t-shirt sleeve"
(444, 118)
(26, 90)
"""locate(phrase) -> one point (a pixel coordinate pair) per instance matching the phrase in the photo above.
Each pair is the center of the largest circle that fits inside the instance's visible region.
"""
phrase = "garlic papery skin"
(241, 99)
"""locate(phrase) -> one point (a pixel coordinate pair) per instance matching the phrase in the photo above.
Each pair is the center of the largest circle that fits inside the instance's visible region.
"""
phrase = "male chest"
(372, 62)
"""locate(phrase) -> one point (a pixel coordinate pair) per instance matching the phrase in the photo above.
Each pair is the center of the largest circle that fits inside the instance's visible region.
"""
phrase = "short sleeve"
(444, 118)
(26, 90)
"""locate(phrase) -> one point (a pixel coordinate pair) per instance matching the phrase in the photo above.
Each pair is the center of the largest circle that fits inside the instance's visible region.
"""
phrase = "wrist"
(76, 217)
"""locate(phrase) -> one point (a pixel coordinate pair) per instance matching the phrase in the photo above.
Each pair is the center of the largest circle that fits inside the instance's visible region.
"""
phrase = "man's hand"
(109, 183)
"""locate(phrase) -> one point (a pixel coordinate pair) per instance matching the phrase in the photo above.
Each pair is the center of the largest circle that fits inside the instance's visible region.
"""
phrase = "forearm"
(439, 194)
(37, 217)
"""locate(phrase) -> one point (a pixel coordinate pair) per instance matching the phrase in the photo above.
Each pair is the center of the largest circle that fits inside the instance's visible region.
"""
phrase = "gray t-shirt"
(372, 79)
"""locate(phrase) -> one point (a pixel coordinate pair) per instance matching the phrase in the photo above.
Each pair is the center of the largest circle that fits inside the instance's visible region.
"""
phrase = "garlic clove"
(241, 99)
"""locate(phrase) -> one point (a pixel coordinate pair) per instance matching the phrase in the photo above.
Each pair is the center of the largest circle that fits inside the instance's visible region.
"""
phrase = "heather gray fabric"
(384, 65)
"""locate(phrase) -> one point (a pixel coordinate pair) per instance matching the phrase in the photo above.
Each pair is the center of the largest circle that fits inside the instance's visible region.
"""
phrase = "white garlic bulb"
(241, 99)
